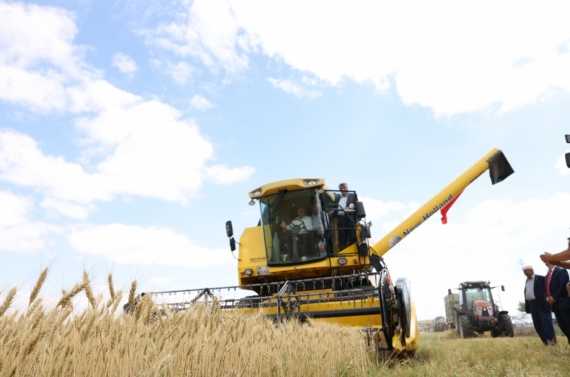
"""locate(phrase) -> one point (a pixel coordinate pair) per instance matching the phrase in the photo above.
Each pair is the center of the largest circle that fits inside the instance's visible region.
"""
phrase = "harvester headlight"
(342, 261)
(249, 272)
(310, 182)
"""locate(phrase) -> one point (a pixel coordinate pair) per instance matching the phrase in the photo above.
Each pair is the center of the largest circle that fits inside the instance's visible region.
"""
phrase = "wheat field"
(101, 341)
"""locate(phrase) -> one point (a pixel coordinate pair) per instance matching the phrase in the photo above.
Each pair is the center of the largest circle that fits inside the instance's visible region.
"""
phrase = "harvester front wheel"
(465, 330)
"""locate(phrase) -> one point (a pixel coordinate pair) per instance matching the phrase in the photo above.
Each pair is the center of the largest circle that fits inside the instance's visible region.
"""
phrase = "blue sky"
(130, 133)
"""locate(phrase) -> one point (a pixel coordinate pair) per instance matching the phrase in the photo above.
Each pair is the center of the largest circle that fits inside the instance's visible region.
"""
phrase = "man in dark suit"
(535, 304)
(557, 296)
(345, 214)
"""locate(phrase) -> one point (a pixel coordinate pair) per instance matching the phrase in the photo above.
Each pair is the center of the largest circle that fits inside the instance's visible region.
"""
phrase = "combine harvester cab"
(309, 258)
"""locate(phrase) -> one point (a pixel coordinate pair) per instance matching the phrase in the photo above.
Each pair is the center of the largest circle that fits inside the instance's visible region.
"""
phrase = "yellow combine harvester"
(309, 258)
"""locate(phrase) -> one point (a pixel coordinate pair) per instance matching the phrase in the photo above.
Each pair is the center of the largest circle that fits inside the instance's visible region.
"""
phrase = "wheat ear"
(88, 290)
(8, 301)
(38, 286)
(64, 301)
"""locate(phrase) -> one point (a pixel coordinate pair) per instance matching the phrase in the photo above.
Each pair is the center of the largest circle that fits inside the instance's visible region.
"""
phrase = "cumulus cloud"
(17, 232)
(124, 63)
(180, 72)
(126, 244)
(200, 103)
(208, 32)
(132, 146)
(377, 209)
(444, 55)
(292, 87)
(223, 174)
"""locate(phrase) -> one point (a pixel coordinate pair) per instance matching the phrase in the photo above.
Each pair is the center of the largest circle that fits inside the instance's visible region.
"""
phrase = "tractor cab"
(476, 295)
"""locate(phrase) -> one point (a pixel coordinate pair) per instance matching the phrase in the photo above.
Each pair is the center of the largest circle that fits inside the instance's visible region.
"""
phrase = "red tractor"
(477, 311)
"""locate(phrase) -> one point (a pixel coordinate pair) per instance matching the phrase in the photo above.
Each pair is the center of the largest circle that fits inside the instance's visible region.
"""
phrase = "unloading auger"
(309, 258)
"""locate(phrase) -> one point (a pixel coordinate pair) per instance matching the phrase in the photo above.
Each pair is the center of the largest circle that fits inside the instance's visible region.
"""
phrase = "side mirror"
(567, 156)
(449, 291)
(567, 138)
(229, 229)
(232, 244)
(502, 288)
(360, 212)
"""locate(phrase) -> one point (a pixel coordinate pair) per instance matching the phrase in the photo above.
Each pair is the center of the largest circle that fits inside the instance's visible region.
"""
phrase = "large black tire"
(504, 328)
(464, 326)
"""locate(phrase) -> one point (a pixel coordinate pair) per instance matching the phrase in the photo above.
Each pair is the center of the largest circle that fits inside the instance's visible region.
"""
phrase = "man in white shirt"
(536, 305)
(301, 238)
(346, 221)
(304, 223)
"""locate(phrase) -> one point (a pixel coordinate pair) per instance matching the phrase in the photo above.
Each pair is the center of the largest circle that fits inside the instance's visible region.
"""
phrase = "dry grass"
(205, 342)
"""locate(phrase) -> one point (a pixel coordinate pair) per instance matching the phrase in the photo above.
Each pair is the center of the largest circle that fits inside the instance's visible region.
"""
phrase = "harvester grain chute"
(325, 269)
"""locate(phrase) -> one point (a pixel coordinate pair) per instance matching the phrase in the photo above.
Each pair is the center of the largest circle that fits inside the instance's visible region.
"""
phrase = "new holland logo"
(428, 215)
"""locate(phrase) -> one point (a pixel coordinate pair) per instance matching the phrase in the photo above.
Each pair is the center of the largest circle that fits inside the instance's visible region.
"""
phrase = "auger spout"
(499, 169)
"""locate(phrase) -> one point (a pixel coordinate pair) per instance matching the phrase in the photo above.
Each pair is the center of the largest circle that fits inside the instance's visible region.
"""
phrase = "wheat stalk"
(118, 298)
(132, 292)
(38, 286)
(64, 301)
(8, 301)
(111, 286)
(88, 290)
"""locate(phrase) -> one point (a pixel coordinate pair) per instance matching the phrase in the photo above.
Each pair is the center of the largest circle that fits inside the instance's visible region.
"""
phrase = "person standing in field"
(557, 296)
(535, 303)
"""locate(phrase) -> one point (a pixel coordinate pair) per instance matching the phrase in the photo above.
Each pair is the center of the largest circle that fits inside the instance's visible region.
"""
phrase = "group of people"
(549, 294)
(311, 227)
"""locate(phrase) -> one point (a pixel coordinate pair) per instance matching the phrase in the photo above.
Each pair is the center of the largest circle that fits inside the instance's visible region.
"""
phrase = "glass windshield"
(294, 227)
(473, 294)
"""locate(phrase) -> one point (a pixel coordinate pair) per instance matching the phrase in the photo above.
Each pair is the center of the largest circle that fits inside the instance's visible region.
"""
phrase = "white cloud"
(291, 87)
(561, 165)
(126, 244)
(17, 232)
(448, 56)
(376, 209)
(132, 146)
(200, 103)
(223, 174)
(208, 32)
(67, 208)
(124, 63)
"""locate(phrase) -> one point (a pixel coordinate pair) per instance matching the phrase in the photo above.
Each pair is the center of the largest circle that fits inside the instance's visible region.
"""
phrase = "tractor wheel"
(465, 330)
(505, 327)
